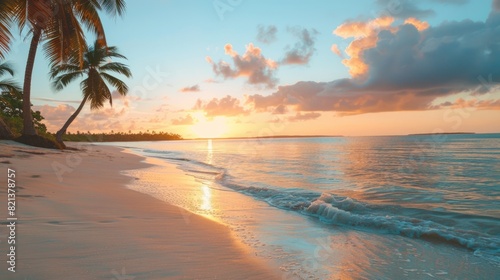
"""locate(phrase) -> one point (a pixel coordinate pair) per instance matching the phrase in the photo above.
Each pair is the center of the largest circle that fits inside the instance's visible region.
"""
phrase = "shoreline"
(76, 220)
(302, 246)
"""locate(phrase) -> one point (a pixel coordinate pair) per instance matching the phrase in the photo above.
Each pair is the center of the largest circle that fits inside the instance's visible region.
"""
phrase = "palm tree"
(59, 24)
(5, 23)
(6, 86)
(96, 67)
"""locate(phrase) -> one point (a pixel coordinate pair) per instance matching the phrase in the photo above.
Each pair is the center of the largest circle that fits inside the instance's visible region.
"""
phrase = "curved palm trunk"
(62, 131)
(28, 127)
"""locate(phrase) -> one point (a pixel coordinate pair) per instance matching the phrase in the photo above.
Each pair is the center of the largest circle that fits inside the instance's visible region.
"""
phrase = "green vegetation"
(5, 86)
(120, 136)
(11, 112)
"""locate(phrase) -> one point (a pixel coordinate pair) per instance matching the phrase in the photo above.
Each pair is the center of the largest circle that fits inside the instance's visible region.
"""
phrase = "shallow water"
(362, 207)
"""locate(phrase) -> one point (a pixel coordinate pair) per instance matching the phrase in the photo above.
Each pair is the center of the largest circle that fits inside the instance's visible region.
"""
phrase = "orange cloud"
(420, 25)
(304, 117)
(365, 34)
(473, 103)
(107, 113)
(409, 69)
(335, 49)
(55, 116)
(228, 49)
(357, 67)
(187, 120)
(194, 88)
(362, 29)
(102, 120)
(226, 106)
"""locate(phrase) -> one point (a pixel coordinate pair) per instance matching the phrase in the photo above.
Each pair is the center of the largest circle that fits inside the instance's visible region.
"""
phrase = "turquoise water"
(348, 207)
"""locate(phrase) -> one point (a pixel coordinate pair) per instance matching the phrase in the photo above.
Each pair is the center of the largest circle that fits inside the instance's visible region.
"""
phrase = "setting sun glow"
(209, 128)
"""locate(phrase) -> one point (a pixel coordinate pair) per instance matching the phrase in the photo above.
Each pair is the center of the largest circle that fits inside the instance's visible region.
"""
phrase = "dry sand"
(77, 220)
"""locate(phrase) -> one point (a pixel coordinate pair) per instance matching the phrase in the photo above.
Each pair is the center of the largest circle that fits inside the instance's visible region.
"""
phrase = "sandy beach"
(77, 220)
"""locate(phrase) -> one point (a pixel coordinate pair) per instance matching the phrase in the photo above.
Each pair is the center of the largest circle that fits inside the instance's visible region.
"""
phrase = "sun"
(209, 128)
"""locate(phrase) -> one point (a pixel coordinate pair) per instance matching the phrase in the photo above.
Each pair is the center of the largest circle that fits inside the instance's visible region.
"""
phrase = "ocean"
(387, 207)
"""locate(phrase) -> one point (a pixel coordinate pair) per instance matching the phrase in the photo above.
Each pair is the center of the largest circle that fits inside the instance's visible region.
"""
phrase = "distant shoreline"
(441, 133)
(269, 137)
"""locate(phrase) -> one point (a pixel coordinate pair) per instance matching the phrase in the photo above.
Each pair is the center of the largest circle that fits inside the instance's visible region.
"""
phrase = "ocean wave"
(345, 211)
(177, 157)
(155, 152)
(203, 172)
(198, 169)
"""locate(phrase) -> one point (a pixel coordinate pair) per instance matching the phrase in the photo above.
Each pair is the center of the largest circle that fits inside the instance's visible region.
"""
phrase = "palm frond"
(116, 67)
(6, 15)
(63, 69)
(6, 68)
(63, 80)
(39, 13)
(113, 7)
(95, 89)
(120, 86)
(64, 36)
(20, 14)
(8, 85)
(106, 92)
(85, 86)
(87, 12)
(113, 52)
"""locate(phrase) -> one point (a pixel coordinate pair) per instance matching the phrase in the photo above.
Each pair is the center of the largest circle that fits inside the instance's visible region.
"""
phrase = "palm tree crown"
(59, 22)
(97, 66)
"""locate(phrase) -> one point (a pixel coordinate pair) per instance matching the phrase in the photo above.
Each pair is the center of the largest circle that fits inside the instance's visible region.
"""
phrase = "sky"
(241, 68)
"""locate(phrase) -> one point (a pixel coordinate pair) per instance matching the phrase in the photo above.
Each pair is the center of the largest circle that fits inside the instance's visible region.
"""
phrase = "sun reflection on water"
(210, 151)
(206, 192)
(206, 198)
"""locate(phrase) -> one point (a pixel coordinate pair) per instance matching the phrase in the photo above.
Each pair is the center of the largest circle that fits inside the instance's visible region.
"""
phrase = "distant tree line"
(120, 136)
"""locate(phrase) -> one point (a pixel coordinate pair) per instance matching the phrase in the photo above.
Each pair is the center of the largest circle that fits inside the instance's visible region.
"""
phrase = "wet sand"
(77, 220)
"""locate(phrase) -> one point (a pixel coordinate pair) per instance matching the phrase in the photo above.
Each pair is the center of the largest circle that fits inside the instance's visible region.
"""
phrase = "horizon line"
(339, 136)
